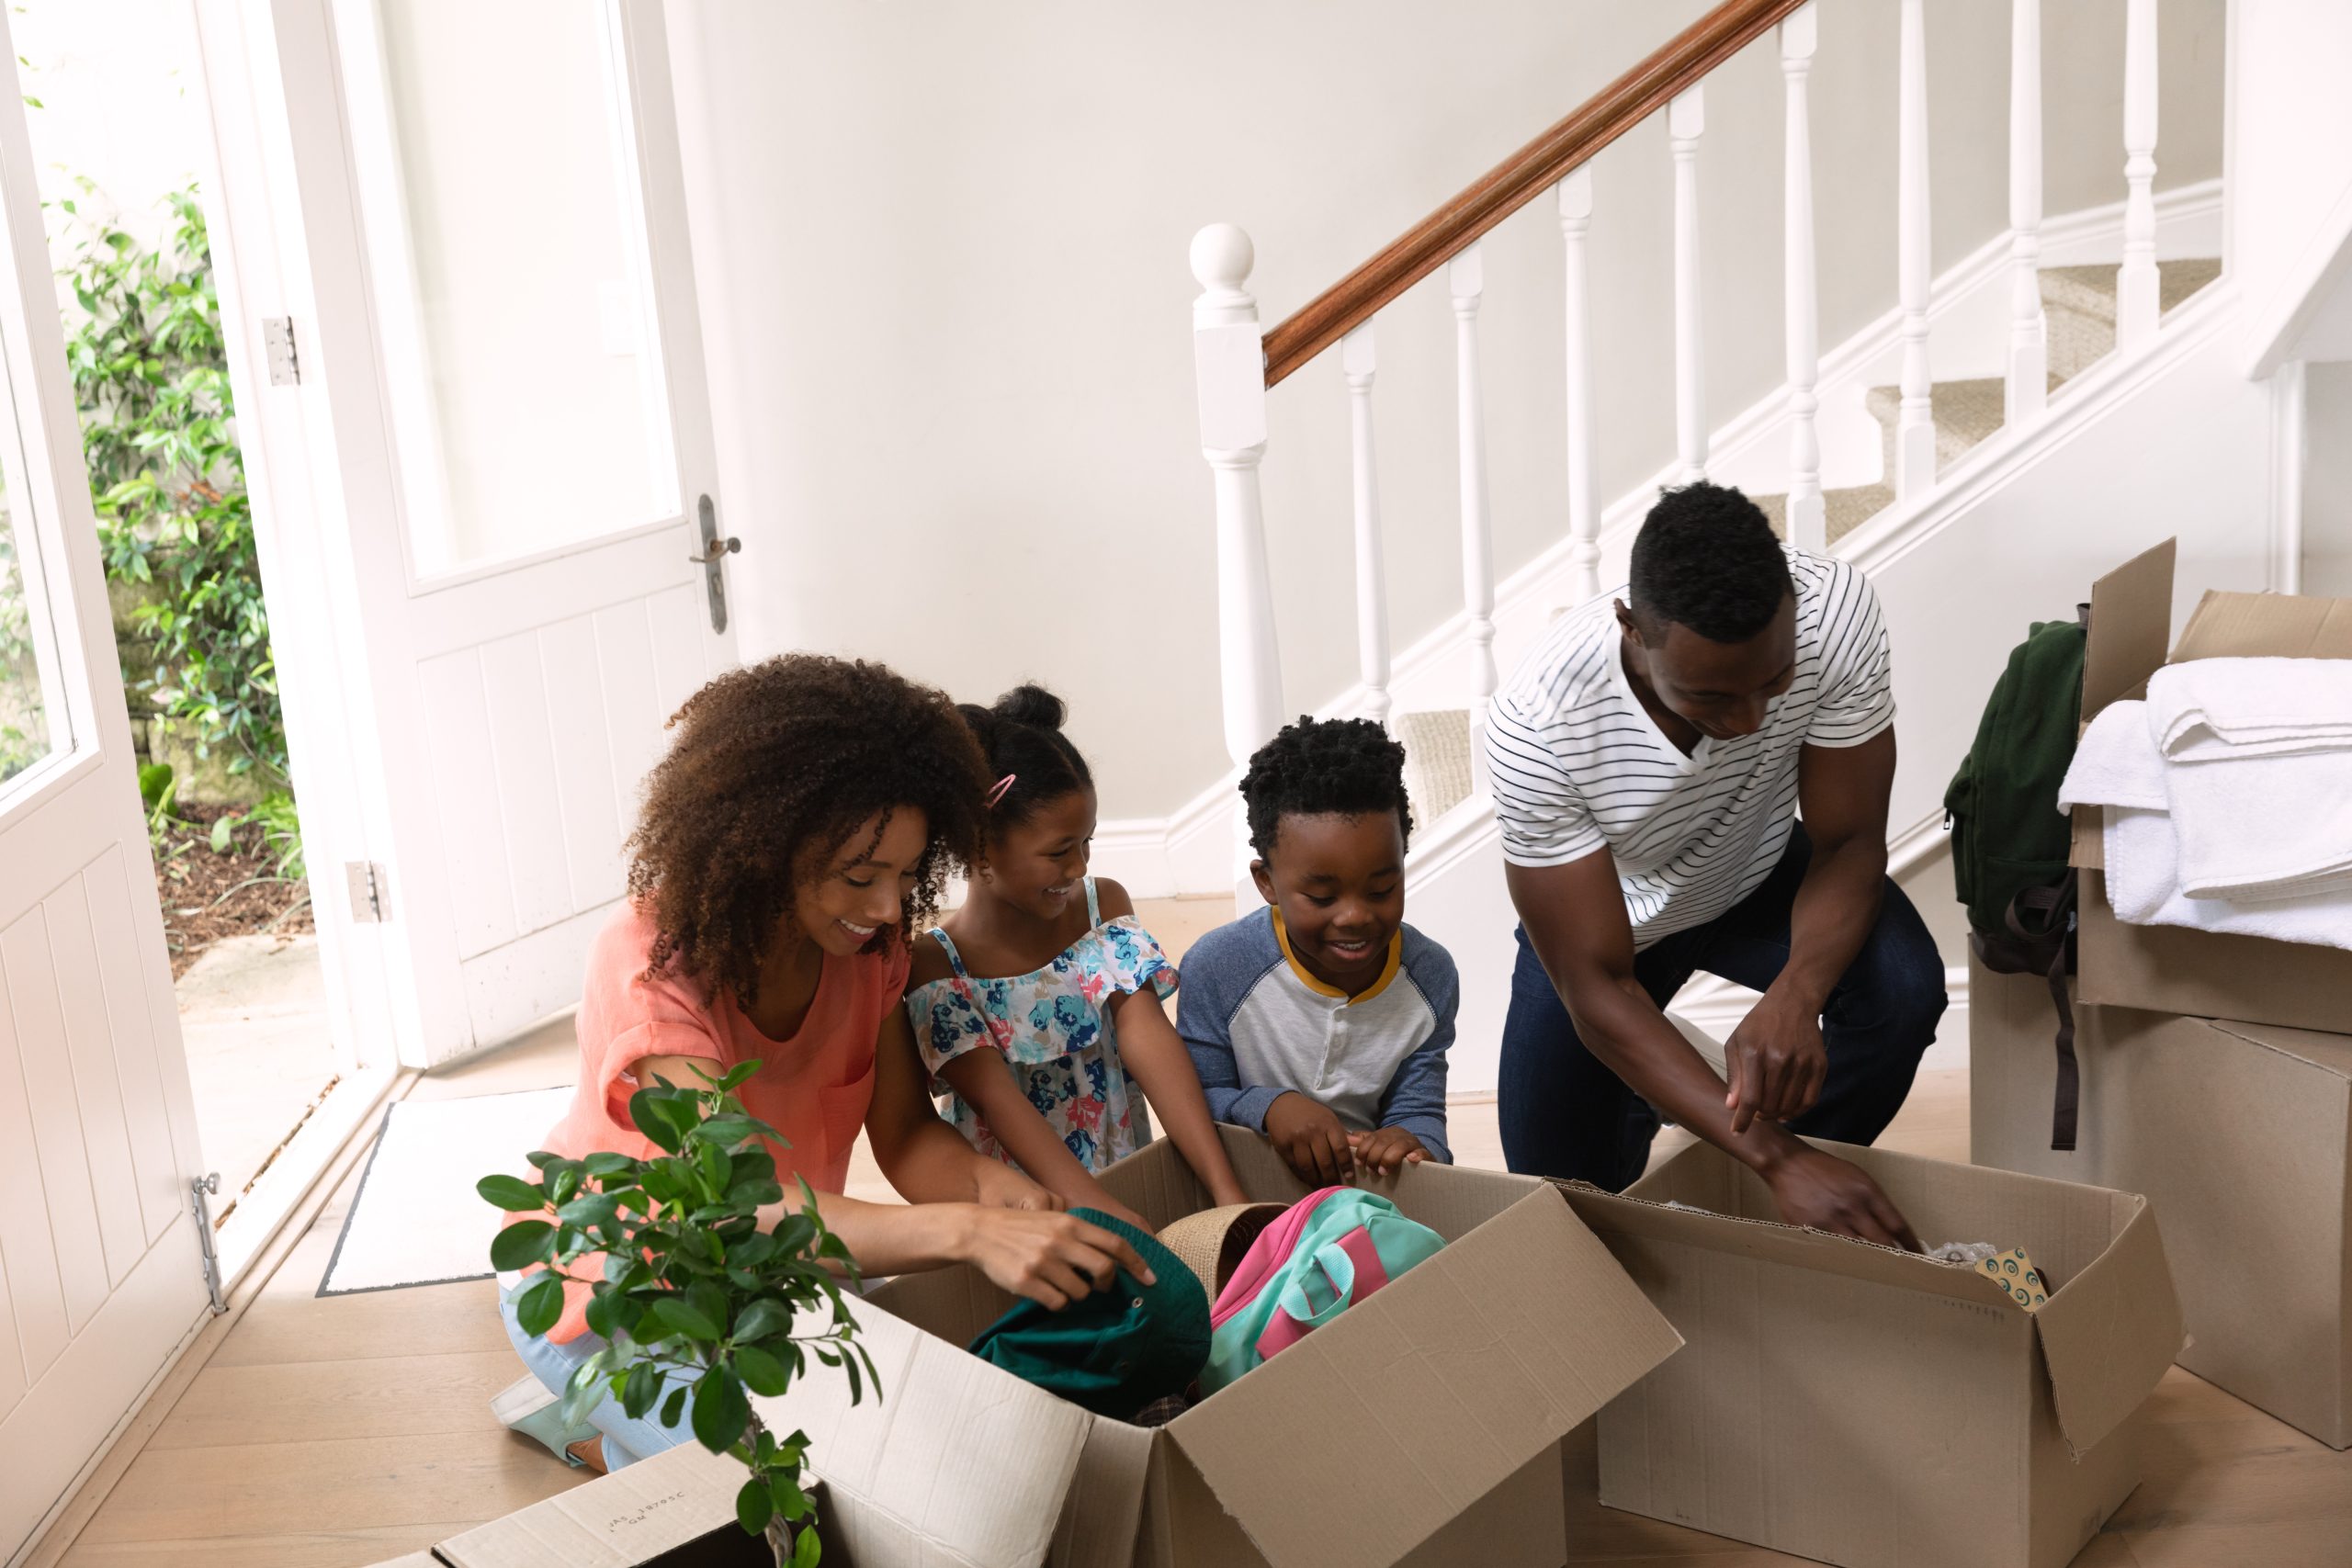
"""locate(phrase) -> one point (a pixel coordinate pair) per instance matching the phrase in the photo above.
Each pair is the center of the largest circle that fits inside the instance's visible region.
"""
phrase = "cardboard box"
(1421, 1426)
(2171, 968)
(1873, 1408)
(675, 1509)
(2240, 1133)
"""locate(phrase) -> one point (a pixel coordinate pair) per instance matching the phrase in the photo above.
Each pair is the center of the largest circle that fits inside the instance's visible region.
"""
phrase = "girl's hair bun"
(1031, 705)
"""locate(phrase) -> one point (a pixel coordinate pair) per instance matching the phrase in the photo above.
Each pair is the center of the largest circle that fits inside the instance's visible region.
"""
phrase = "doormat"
(416, 1219)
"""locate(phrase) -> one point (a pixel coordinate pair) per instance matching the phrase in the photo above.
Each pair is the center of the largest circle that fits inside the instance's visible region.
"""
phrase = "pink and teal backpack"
(1328, 1251)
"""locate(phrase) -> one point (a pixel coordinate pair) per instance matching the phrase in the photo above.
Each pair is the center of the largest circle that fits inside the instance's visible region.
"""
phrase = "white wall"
(942, 262)
(2292, 160)
(2328, 479)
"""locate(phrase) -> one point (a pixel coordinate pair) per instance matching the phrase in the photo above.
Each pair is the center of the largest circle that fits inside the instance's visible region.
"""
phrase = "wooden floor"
(349, 1429)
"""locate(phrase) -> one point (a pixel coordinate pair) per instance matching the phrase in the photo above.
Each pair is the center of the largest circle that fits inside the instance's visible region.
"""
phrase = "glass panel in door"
(506, 222)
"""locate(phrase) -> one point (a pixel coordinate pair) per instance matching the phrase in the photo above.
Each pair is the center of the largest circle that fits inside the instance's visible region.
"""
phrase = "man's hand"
(1309, 1138)
(996, 1185)
(1774, 1062)
(1386, 1150)
(1827, 1193)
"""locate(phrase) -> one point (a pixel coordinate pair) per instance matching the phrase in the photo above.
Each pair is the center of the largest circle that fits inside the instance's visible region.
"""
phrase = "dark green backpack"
(2009, 840)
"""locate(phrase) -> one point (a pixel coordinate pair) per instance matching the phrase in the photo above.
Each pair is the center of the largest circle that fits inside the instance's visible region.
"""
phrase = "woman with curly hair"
(800, 824)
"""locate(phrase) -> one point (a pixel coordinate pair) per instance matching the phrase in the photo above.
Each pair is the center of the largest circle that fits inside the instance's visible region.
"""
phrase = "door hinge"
(277, 344)
(200, 1189)
(371, 891)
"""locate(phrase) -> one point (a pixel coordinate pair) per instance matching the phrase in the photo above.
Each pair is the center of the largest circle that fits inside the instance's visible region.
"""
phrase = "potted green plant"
(695, 1297)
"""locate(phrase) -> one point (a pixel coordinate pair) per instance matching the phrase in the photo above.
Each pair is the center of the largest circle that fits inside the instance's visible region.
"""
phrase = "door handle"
(715, 550)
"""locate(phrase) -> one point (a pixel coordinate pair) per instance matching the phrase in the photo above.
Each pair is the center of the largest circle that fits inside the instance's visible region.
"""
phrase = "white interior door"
(494, 315)
(101, 1277)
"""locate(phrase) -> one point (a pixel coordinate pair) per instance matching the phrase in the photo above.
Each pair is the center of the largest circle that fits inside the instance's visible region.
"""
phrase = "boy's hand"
(1387, 1149)
(1309, 1138)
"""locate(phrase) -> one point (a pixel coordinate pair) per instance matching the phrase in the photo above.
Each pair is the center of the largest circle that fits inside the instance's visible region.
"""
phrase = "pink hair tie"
(1001, 786)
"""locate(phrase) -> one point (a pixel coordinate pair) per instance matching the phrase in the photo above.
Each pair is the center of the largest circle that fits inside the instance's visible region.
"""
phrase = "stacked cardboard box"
(2216, 1070)
(1873, 1408)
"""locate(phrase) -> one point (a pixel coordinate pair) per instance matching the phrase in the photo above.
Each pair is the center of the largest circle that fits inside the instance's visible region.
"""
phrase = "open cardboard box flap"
(2112, 1323)
(1486, 1354)
(628, 1517)
(960, 1462)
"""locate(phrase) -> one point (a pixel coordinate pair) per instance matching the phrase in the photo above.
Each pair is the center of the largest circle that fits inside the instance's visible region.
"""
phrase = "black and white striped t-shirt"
(1577, 762)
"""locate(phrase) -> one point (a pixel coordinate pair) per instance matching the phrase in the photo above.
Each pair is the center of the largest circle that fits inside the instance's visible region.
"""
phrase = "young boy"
(1323, 1021)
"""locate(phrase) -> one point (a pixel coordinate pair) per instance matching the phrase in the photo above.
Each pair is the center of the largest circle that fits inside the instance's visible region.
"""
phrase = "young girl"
(1037, 1001)
(799, 822)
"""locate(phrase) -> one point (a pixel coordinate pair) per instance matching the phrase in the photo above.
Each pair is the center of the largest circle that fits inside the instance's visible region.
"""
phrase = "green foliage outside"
(159, 436)
(694, 1296)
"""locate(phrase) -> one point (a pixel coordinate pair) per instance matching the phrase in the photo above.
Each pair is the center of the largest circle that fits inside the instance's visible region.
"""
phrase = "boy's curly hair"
(771, 770)
(1346, 767)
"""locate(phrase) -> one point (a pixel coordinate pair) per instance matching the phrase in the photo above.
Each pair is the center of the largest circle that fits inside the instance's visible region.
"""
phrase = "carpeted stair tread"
(1843, 510)
(2078, 306)
(1965, 412)
(1437, 760)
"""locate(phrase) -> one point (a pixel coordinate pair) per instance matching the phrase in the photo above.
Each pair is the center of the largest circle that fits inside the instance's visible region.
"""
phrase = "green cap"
(1112, 1351)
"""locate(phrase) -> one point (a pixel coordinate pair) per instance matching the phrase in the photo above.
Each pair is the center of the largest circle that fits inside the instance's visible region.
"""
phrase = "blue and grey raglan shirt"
(1257, 1024)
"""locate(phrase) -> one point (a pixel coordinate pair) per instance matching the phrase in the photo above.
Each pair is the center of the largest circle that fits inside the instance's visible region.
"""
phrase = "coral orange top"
(813, 1089)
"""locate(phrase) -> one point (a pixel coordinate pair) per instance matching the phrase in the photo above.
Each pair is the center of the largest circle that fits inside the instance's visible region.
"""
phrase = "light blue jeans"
(627, 1439)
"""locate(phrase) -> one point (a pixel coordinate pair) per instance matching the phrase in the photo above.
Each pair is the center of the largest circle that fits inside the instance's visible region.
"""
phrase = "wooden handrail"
(1511, 185)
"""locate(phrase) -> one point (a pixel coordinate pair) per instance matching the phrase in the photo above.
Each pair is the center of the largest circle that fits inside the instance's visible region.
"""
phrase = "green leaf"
(726, 1132)
(641, 1390)
(739, 1074)
(720, 1411)
(790, 1500)
(527, 1242)
(761, 1319)
(670, 1314)
(537, 1309)
(761, 1373)
(604, 1164)
(584, 1389)
(809, 1550)
(709, 1302)
(754, 1508)
(715, 1167)
(564, 1182)
(600, 1314)
(541, 1159)
(595, 1209)
(512, 1194)
(673, 1406)
(649, 1113)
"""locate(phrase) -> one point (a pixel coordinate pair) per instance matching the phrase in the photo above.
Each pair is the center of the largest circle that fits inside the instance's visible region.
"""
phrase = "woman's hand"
(1051, 1258)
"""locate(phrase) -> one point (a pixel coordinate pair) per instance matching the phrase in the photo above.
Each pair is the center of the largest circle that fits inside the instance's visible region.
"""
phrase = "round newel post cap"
(1222, 257)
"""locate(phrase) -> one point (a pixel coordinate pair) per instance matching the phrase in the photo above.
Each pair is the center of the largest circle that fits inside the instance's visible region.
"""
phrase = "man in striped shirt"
(1650, 761)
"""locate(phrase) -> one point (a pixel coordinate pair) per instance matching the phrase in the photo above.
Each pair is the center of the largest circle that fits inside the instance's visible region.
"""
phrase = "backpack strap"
(2053, 911)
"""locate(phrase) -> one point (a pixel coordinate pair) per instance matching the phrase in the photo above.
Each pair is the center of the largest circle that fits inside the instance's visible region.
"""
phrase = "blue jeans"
(1565, 1113)
(627, 1439)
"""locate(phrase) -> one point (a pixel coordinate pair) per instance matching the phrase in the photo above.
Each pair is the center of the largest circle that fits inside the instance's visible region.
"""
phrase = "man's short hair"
(1707, 559)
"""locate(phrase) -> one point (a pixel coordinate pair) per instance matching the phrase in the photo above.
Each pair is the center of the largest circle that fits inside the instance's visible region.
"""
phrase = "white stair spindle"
(2136, 304)
(1466, 276)
(1229, 371)
(1584, 499)
(1686, 119)
(1914, 425)
(2028, 388)
(1808, 519)
(1371, 584)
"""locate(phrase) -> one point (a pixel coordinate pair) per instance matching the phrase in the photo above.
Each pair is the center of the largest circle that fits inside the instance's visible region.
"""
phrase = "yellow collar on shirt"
(1388, 970)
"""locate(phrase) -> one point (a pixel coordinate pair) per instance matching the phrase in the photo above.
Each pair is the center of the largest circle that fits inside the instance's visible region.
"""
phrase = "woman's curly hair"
(771, 770)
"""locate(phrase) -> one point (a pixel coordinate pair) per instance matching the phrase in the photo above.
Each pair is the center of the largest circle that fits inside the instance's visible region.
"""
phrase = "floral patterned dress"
(1051, 1026)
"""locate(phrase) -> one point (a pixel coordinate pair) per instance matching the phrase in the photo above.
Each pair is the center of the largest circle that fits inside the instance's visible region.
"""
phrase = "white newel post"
(1230, 370)
(1466, 276)
(2028, 386)
(2135, 286)
(1686, 119)
(1808, 520)
(1372, 583)
(1584, 496)
(1914, 425)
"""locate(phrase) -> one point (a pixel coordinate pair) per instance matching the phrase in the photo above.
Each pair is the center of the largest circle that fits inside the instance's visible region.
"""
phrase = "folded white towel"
(2117, 766)
(2144, 891)
(2263, 827)
(2210, 708)
(2114, 764)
